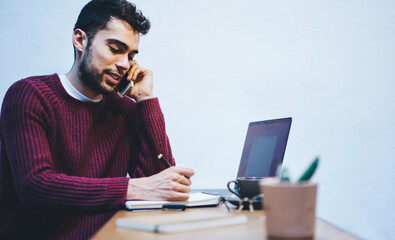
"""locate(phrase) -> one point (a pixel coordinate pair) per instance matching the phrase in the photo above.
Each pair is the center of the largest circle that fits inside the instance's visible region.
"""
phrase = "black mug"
(245, 187)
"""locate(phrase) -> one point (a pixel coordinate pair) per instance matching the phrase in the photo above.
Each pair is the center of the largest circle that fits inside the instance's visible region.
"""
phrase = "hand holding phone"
(137, 83)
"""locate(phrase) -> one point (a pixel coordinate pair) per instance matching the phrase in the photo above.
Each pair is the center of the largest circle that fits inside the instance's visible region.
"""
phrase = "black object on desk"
(174, 207)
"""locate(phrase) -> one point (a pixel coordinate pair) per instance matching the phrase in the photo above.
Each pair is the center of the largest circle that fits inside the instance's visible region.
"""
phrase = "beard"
(91, 76)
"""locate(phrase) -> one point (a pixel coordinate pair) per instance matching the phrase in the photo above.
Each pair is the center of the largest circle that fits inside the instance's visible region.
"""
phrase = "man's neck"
(77, 83)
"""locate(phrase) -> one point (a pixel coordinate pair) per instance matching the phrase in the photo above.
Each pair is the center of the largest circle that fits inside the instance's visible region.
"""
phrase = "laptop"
(263, 151)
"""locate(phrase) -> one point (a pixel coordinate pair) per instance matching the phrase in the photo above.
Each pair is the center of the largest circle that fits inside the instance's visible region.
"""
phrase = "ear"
(80, 40)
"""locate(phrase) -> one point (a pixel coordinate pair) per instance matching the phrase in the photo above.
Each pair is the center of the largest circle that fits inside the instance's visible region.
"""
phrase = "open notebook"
(195, 200)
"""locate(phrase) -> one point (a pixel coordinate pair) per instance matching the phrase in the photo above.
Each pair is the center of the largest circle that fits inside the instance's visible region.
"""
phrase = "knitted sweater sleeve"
(152, 140)
(24, 121)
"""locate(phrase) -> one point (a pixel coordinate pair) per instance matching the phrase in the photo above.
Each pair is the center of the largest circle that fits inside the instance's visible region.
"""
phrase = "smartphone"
(124, 85)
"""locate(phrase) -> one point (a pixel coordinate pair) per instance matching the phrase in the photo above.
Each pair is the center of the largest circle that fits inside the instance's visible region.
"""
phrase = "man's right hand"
(171, 184)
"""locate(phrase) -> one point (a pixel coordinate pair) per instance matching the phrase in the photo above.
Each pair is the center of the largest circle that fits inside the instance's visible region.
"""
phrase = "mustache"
(120, 72)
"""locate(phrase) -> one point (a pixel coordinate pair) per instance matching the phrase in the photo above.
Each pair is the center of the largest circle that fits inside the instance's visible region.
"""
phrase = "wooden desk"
(253, 229)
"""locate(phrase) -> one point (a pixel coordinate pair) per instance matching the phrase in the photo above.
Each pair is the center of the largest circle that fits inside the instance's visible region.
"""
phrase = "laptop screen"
(264, 148)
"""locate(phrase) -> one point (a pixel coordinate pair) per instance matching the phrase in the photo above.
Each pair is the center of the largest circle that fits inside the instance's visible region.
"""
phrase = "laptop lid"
(264, 148)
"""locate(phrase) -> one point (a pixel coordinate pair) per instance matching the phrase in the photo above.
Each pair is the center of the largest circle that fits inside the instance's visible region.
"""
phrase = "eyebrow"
(121, 44)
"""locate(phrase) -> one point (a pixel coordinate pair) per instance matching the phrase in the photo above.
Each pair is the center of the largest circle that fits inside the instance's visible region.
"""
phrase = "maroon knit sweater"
(64, 162)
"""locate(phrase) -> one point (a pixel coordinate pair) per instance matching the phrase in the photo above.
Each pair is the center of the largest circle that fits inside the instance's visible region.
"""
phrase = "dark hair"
(95, 15)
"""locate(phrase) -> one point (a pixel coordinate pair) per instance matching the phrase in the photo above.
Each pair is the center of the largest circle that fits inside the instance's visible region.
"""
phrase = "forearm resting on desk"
(170, 184)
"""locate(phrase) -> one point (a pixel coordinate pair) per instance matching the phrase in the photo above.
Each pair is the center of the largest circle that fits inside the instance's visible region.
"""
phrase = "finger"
(128, 75)
(184, 180)
(136, 73)
(187, 172)
(181, 188)
(178, 196)
(135, 65)
(174, 176)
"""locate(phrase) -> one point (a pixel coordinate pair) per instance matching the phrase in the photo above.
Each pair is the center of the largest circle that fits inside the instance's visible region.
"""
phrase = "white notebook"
(195, 200)
(180, 221)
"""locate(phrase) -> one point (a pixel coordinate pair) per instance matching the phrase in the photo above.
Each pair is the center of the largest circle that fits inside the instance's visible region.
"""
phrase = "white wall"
(221, 64)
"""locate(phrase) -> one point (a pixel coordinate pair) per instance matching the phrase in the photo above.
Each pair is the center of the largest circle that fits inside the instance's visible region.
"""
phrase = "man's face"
(109, 56)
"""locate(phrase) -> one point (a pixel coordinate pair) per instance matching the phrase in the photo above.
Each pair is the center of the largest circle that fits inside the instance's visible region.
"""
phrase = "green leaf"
(310, 171)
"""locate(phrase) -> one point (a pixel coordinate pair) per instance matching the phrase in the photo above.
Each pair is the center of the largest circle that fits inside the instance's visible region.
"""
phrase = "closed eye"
(114, 50)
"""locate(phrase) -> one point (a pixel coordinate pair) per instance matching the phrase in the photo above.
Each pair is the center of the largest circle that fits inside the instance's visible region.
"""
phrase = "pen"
(174, 207)
(167, 164)
(163, 159)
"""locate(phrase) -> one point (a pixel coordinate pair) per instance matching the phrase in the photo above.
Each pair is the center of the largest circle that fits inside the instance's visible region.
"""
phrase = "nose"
(123, 63)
